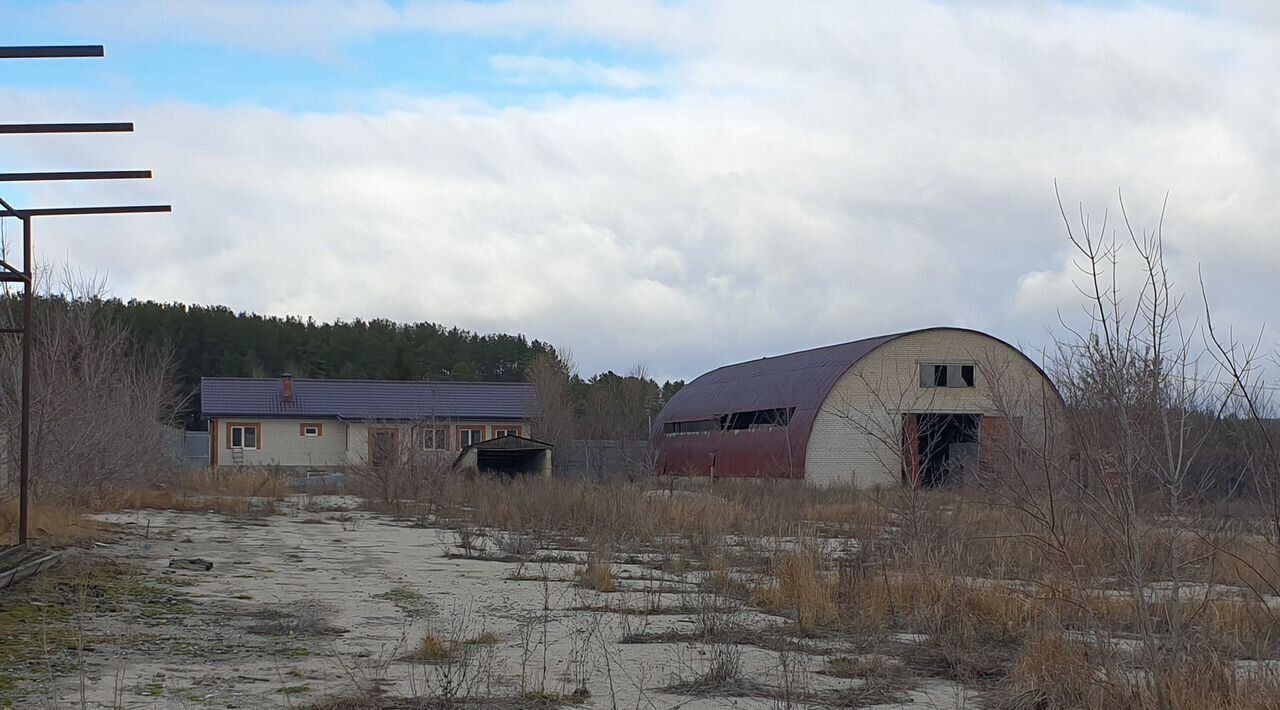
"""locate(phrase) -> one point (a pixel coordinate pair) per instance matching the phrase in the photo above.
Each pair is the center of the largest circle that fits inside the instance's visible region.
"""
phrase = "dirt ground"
(318, 602)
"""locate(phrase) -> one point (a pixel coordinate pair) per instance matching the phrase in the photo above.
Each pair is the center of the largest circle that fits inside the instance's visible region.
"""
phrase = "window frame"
(931, 377)
(304, 426)
(506, 430)
(255, 427)
(439, 433)
(462, 430)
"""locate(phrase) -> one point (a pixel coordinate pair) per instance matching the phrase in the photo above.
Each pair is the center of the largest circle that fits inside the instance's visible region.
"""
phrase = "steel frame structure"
(26, 275)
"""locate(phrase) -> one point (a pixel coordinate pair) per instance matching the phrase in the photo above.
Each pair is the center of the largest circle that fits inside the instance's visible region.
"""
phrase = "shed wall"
(856, 438)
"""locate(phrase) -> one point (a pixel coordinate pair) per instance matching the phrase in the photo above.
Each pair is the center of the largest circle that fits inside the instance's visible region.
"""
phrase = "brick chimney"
(286, 387)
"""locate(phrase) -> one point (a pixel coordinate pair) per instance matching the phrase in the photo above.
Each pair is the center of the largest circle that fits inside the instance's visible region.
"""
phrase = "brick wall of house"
(857, 436)
(282, 443)
(358, 446)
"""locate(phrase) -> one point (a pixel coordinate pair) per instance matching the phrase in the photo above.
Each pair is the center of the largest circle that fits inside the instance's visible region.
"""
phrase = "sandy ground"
(301, 606)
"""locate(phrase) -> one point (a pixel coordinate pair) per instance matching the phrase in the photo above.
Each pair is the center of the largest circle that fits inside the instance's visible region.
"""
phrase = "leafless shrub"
(551, 375)
(101, 409)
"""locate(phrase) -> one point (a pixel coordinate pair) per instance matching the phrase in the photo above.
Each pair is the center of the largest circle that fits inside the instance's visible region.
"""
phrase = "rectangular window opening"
(691, 427)
(243, 436)
(947, 375)
(433, 438)
(738, 421)
(469, 436)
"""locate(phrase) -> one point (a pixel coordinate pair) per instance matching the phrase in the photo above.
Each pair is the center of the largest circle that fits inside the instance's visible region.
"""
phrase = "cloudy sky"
(678, 184)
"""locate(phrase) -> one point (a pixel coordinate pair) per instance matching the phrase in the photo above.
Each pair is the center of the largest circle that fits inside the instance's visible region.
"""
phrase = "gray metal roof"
(366, 399)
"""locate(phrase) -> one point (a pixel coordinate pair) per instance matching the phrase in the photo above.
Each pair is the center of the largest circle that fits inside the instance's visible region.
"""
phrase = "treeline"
(215, 341)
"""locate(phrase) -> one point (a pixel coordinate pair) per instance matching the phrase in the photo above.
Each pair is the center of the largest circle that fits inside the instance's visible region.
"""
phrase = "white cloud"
(803, 177)
(534, 69)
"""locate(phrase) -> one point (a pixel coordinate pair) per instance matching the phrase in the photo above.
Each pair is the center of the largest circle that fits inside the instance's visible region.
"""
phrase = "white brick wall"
(857, 433)
(339, 444)
(282, 444)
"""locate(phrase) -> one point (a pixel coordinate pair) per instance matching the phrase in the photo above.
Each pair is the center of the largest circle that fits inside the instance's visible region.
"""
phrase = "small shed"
(508, 455)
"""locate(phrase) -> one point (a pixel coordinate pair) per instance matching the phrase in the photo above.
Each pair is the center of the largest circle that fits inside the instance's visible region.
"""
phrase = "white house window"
(947, 375)
(469, 436)
(244, 436)
(311, 430)
(505, 432)
(433, 438)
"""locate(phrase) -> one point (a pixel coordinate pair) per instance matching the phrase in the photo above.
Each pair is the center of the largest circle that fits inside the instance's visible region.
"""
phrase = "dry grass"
(802, 587)
(640, 515)
(1056, 672)
(1049, 673)
(432, 648)
(51, 525)
(63, 523)
(235, 492)
(998, 604)
(597, 574)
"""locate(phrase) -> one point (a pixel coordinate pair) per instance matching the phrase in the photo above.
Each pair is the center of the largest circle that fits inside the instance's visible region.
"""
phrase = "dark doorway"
(946, 446)
(384, 447)
(507, 455)
(512, 462)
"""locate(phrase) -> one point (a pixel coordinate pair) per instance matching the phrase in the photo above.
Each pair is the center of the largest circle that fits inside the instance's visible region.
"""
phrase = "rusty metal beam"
(77, 175)
(24, 426)
(10, 128)
(53, 51)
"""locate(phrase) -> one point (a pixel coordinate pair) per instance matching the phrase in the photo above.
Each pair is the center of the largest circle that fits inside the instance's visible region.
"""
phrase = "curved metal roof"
(801, 379)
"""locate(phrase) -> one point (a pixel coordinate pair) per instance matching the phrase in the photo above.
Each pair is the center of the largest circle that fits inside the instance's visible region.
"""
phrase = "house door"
(384, 447)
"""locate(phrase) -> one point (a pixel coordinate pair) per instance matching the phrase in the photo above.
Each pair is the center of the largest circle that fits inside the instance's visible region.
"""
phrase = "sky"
(677, 184)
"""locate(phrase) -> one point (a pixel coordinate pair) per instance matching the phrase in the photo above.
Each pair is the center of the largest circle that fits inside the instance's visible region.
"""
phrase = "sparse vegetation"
(42, 630)
(596, 575)
(432, 648)
(1103, 571)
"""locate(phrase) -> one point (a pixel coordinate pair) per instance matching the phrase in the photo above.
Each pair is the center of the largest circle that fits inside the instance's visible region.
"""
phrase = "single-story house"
(314, 426)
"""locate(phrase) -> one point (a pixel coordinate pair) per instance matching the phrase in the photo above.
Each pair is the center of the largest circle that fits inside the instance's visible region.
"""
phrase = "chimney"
(286, 387)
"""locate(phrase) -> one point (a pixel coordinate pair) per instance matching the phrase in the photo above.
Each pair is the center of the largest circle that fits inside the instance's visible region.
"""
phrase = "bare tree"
(551, 374)
(102, 410)
(620, 409)
(1250, 403)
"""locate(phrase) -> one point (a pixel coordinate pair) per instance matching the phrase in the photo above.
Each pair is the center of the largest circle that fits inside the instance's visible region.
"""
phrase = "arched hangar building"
(922, 407)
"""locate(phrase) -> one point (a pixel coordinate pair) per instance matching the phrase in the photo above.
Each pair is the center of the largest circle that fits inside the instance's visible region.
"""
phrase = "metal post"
(10, 274)
(24, 465)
